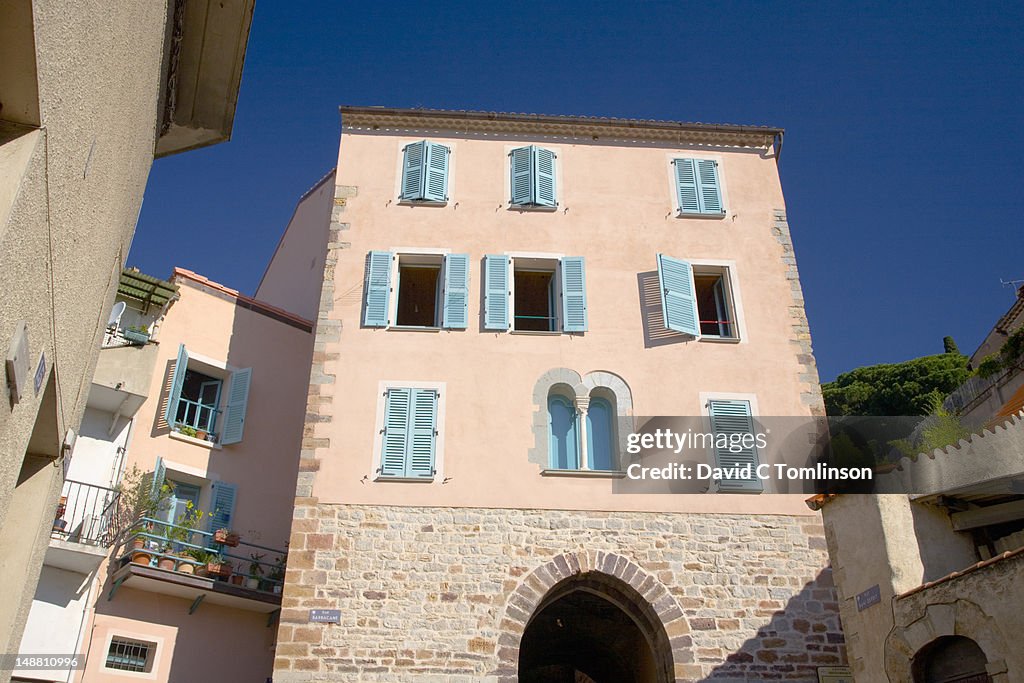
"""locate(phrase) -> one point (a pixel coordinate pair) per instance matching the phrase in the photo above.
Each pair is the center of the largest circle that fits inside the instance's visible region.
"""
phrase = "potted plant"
(179, 536)
(137, 499)
(185, 430)
(201, 434)
(217, 566)
(255, 571)
(137, 334)
(275, 577)
(226, 537)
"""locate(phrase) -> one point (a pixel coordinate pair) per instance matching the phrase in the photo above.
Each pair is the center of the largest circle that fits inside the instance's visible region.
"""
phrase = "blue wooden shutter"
(412, 170)
(496, 293)
(574, 294)
(678, 299)
(729, 418)
(456, 291)
(177, 381)
(422, 434)
(238, 401)
(158, 477)
(222, 505)
(544, 172)
(707, 181)
(522, 176)
(435, 188)
(397, 407)
(378, 289)
(686, 186)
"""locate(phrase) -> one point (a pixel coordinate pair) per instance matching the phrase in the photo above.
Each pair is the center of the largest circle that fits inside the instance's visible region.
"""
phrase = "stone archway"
(608, 577)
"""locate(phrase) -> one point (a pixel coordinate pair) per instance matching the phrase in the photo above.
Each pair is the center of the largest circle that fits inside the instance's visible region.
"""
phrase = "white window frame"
(672, 187)
(728, 270)
(559, 180)
(400, 165)
(393, 274)
(378, 440)
(556, 279)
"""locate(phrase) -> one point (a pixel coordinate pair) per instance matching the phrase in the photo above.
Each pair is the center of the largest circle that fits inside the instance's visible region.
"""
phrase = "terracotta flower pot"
(141, 558)
(165, 563)
(237, 579)
(225, 538)
(186, 568)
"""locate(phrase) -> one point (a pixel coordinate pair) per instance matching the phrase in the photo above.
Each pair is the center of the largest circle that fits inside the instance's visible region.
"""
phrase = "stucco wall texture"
(99, 83)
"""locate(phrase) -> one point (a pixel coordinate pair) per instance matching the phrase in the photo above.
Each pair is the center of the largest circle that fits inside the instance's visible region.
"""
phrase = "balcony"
(82, 527)
(200, 566)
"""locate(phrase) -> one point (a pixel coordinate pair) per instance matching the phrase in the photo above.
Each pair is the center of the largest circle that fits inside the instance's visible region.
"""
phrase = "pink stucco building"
(499, 299)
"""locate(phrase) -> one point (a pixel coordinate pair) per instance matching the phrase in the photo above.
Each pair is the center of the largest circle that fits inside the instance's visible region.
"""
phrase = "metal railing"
(85, 514)
(158, 543)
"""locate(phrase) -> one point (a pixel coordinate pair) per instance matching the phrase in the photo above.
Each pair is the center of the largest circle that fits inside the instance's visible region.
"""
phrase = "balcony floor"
(71, 556)
(191, 587)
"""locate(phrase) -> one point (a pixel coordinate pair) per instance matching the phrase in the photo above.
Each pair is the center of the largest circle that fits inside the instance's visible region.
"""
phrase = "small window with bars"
(130, 655)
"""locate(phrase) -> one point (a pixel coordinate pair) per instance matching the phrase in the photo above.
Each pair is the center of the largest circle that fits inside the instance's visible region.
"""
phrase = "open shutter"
(177, 381)
(412, 170)
(574, 294)
(686, 186)
(238, 400)
(496, 293)
(678, 300)
(157, 478)
(710, 190)
(223, 505)
(456, 291)
(728, 419)
(436, 185)
(522, 176)
(544, 171)
(397, 407)
(378, 289)
(422, 434)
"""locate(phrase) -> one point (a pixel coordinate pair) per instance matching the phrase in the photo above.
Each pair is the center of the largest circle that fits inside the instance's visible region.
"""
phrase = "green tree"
(1009, 356)
(950, 345)
(908, 388)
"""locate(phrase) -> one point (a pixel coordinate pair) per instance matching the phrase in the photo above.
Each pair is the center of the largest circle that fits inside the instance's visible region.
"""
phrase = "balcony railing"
(157, 543)
(85, 514)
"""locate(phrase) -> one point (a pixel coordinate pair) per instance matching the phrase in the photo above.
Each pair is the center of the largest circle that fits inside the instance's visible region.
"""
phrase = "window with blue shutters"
(535, 294)
(409, 433)
(735, 445)
(698, 299)
(698, 187)
(205, 402)
(416, 290)
(425, 172)
(532, 175)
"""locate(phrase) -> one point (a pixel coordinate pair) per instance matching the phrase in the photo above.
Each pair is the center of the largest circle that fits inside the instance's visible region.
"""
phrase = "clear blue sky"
(902, 162)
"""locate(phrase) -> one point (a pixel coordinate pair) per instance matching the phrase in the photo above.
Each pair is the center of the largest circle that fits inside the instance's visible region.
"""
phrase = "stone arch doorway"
(950, 659)
(591, 617)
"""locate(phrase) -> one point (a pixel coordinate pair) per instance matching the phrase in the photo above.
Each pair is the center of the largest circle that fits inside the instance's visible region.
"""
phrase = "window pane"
(713, 306)
(600, 435)
(564, 444)
(534, 301)
(417, 295)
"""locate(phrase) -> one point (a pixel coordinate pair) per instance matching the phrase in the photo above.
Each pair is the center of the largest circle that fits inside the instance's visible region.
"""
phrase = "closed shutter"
(522, 176)
(422, 434)
(678, 299)
(436, 185)
(496, 293)
(412, 170)
(238, 402)
(574, 294)
(177, 381)
(397, 407)
(544, 167)
(732, 421)
(456, 291)
(223, 505)
(710, 188)
(686, 186)
(378, 289)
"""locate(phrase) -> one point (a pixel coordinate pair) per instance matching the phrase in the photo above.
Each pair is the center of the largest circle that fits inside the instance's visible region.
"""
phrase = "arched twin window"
(564, 435)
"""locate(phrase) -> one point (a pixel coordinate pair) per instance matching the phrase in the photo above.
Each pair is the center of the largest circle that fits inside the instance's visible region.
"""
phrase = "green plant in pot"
(255, 571)
(179, 536)
(138, 498)
(276, 574)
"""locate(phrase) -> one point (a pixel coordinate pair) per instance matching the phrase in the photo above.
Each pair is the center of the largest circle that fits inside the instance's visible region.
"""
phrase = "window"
(735, 444)
(600, 435)
(187, 488)
(697, 299)
(130, 655)
(182, 495)
(409, 434)
(425, 172)
(698, 188)
(533, 177)
(195, 399)
(431, 290)
(563, 426)
(567, 447)
(536, 294)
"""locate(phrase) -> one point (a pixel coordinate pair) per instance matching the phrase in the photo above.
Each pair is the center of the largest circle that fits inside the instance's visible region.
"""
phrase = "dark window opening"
(713, 306)
(200, 396)
(534, 304)
(418, 289)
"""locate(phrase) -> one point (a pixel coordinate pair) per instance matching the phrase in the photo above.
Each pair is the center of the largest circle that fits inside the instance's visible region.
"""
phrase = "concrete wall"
(98, 79)
(55, 622)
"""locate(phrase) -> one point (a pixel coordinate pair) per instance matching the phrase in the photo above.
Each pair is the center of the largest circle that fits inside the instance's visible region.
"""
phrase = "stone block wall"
(444, 594)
